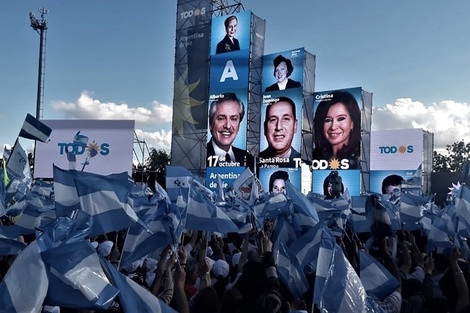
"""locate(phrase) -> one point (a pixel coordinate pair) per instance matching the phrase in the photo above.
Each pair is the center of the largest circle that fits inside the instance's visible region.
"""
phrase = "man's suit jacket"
(270, 153)
(239, 155)
(290, 84)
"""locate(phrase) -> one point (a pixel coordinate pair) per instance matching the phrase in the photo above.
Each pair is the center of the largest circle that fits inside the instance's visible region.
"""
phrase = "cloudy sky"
(114, 60)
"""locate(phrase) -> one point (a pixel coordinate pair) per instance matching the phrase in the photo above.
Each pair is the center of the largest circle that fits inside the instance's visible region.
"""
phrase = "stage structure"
(342, 116)
(404, 152)
(191, 84)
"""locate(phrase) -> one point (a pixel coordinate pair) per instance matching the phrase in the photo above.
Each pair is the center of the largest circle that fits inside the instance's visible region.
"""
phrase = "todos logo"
(79, 147)
(187, 14)
(334, 164)
(393, 149)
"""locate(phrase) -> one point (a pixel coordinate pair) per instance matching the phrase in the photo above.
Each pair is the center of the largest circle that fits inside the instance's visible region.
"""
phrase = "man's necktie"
(227, 157)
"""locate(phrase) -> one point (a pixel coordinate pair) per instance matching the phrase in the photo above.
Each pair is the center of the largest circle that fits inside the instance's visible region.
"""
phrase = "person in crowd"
(283, 68)
(280, 127)
(337, 130)
(229, 43)
(225, 115)
(277, 182)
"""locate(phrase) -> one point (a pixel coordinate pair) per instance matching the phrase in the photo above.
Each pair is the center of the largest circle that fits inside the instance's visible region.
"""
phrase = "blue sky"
(114, 60)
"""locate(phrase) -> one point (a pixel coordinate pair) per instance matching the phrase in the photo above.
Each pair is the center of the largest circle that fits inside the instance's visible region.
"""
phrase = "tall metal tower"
(40, 26)
(223, 7)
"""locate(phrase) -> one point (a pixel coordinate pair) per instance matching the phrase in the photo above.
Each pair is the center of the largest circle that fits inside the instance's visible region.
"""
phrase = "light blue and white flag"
(304, 209)
(76, 277)
(178, 180)
(376, 279)
(106, 200)
(18, 164)
(411, 210)
(25, 285)
(337, 286)
(133, 297)
(307, 246)
(65, 191)
(10, 246)
(289, 270)
(164, 227)
(202, 214)
(358, 218)
(35, 129)
(462, 210)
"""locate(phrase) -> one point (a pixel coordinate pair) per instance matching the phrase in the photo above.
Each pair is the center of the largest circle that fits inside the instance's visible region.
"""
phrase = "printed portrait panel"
(231, 33)
(337, 129)
(283, 69)
(349, 178)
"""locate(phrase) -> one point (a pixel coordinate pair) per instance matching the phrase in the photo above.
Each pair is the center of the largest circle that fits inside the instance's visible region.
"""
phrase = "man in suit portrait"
(225, 116)
(280, 126)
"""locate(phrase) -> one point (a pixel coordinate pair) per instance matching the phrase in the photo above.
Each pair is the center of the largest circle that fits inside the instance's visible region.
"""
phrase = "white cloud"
(448, 120)
(86, 107)
(158, 140)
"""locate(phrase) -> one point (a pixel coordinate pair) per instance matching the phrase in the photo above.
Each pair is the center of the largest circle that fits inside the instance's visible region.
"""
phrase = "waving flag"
(65, 191)
(337, 286)
(10, 246)
(106, 200)
(18, 164)
(164, 224)
(376, 279)
(304, 210)
(178, 180)
(307, 246)
(133, 297)
(411, 210)
(76, 278)
(202, 214)
(25, 285)
(358, 218)
(35, 129)
(289, 269)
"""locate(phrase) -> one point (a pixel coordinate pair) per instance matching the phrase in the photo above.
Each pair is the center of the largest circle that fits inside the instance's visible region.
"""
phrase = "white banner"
(400, 149)
(96, 146)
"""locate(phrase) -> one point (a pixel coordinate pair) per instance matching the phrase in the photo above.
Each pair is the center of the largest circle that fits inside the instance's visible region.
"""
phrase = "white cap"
(220, 268)
(104, 248)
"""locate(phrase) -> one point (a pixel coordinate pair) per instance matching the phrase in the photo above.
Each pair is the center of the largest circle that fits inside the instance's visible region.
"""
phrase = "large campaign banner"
(97, 146)
(337, 129)
(399, 149)
(280, 139)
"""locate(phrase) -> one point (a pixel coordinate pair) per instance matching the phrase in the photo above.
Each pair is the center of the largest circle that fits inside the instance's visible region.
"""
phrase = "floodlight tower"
(40, 26)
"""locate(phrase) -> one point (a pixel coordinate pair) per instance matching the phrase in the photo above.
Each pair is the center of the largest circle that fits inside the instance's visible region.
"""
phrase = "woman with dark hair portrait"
(283, 68)
(229, 43)
(277, 182)
(337, 126)
(333, 186)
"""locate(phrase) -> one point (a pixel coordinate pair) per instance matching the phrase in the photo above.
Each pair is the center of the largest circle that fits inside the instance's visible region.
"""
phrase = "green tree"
(457, 155)
(157, 159)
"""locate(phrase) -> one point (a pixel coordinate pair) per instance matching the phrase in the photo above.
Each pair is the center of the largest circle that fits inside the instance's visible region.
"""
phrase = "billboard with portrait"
(231, 33)
(227, 129)
(267, 177)
(412, 179)
(350, 180)
(281, 129)
(283, 70)
(337, 129)
(97, 146)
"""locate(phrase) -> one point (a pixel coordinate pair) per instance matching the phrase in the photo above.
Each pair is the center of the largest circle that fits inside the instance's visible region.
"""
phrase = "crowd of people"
(237, 273)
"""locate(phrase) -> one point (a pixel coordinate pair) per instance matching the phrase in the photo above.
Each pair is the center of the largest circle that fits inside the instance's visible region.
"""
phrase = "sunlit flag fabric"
(411, 210)
(358, 219)
(307, 246)
(289, 270)
(76, 279)
(376, 279)
(25, 285)
(202, 214)
(165, 227)
(133, 297)
(35, 129)
(106, 200)
(462, 209)
(17, 163)
(178, 180)
(337, 286)
(65, 191)
(304, 210)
